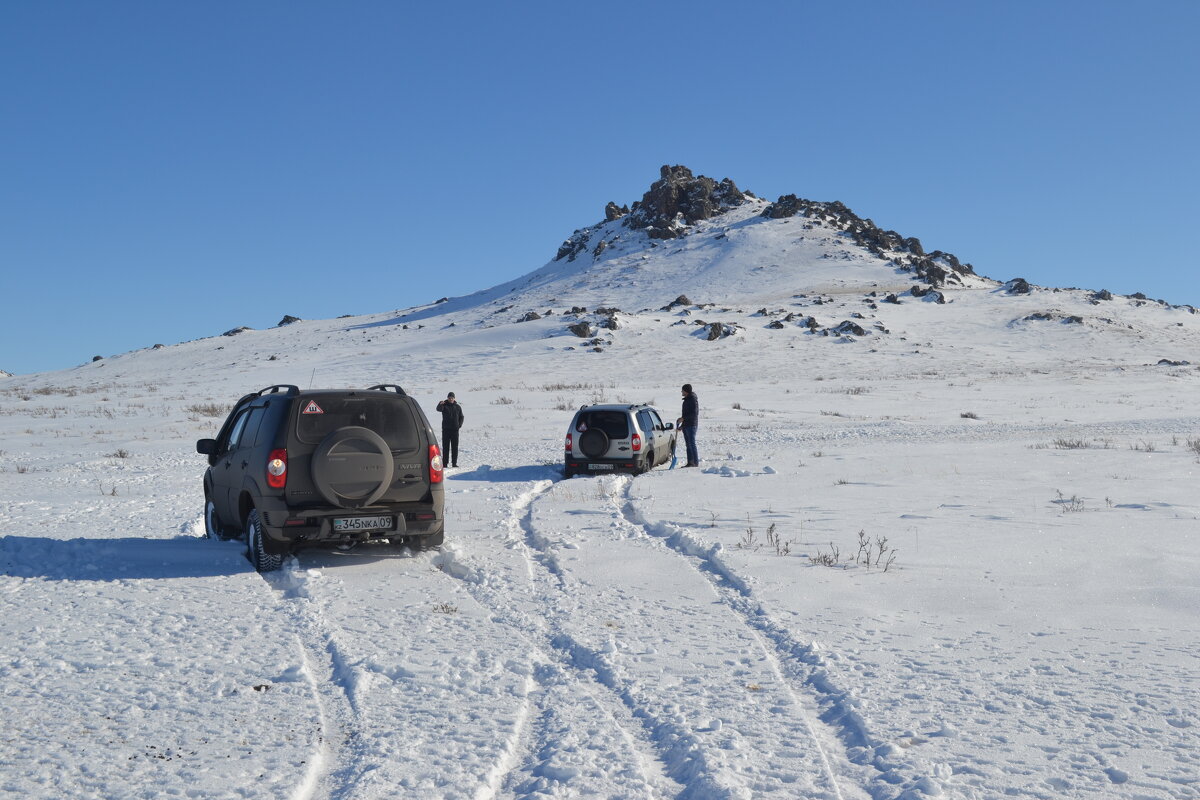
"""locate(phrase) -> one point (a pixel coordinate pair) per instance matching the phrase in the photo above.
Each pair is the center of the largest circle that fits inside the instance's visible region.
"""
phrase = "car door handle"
(245, 464)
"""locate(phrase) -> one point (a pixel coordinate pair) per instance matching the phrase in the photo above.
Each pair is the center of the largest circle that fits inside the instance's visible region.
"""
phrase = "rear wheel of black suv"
(256, 551)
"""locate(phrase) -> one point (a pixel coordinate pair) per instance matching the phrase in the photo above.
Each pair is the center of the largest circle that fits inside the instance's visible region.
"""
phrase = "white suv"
(612, 438)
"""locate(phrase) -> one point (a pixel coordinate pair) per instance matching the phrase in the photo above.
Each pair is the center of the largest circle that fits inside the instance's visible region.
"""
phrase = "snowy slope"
(1025, 462)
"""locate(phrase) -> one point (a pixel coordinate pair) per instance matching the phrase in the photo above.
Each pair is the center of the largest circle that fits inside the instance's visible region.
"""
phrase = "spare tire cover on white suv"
(352, 467)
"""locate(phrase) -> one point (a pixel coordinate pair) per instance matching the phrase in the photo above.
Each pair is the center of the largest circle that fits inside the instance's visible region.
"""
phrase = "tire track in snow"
(558, 745)
(799, 666)
(336, 766)
(700, 761)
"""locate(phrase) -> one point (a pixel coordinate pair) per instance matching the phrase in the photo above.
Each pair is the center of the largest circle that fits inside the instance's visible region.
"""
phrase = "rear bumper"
(286, 528)
(599, 466)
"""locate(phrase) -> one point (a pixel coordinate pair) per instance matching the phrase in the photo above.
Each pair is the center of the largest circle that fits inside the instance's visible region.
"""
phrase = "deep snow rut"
(579, 739)
(830, 714)
(334, 768)
(684, 693)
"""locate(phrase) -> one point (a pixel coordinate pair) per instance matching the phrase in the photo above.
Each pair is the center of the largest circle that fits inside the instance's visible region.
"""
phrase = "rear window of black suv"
(317, 417)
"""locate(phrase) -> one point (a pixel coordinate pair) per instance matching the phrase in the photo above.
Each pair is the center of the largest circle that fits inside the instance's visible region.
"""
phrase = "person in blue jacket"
(688, 422)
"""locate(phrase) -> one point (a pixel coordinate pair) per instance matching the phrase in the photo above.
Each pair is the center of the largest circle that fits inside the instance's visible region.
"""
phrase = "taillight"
(637, 443)
(435, 464)
(570, 441)
(277, 469)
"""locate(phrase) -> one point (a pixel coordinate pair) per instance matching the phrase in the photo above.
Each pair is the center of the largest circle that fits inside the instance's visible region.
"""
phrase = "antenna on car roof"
(311, 377)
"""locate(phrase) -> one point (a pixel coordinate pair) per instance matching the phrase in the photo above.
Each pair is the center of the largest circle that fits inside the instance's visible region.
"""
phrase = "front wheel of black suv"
(256, 551)
(213, 527)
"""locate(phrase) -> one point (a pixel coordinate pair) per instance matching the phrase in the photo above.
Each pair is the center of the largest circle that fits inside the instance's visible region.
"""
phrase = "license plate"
(600, 466)
(364, 523)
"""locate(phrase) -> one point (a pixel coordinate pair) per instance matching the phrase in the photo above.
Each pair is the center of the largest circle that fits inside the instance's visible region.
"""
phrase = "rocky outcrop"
(936, 268)
(679, 199)
(612, 211)
(288, 319)
(236, 331)
(1018, 286)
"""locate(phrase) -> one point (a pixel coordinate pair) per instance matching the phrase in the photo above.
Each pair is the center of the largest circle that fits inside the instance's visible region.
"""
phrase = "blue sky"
(169, 171)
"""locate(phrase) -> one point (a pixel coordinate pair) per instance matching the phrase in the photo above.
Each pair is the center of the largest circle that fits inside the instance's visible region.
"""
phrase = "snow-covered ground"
(1030, 629)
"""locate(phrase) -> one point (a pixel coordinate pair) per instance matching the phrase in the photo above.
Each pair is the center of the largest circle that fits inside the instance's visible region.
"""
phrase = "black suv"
(294, 468)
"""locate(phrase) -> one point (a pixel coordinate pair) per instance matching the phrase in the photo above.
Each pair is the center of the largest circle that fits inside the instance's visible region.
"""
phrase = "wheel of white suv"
(255, 547)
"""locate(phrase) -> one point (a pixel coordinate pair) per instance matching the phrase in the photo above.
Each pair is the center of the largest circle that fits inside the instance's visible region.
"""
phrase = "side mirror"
(670, 426)
(207, 447)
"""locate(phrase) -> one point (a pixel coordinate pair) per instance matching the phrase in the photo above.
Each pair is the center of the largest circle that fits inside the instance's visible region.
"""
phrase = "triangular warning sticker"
(312, 408)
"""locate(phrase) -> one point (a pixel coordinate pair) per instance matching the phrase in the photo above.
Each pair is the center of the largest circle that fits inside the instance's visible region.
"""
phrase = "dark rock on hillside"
(583, 330)
(530, 317)
(97, 358)
(236, 331)
(850, 328)
(1054, 316)
(719, 330)
(573, 246)
(613, 211)
(932, 294)
(1018, 286)
(679, 199)
(1166, 362)
(1103, 294)
(288, 319)
(682, 300)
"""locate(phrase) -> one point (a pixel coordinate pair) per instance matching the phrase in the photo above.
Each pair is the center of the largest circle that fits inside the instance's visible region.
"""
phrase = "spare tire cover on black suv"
(352, 467)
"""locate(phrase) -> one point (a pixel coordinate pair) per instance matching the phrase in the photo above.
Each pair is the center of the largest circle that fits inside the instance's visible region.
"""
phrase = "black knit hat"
(687, 387)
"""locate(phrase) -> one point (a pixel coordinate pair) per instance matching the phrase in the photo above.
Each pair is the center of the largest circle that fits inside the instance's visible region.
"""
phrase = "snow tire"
(260, 558)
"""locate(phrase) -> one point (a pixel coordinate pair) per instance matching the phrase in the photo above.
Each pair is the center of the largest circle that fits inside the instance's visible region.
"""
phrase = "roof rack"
(387, 387)
(288, 388)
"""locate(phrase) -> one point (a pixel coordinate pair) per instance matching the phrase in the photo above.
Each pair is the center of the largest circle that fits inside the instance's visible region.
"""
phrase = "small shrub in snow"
(831, 559)
(207, 409)
(121, 453)
(774, 541)
(1194, 446)
(875, 552)
(445, 608)
(969, 415)
(503, 401)
(1074, 503)
(1070, 444)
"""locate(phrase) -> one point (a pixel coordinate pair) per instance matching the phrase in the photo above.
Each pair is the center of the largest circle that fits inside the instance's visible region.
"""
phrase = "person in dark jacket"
(452, 420)
(689, 422)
